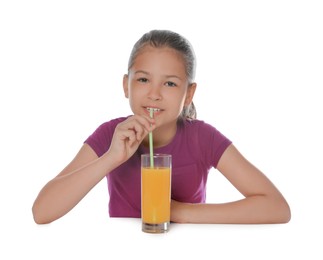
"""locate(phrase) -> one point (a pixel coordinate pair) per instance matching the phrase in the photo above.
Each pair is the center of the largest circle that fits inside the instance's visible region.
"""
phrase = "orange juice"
(155, 194)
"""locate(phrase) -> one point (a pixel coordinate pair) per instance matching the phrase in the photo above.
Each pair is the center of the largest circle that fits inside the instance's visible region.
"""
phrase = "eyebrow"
(166, 76)
(142, 71)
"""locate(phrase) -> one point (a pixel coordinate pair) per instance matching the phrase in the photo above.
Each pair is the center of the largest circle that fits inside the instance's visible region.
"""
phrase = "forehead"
(163, 56)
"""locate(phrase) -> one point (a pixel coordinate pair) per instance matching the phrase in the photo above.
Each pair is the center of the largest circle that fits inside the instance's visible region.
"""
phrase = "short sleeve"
(100, 139)
(212, 143)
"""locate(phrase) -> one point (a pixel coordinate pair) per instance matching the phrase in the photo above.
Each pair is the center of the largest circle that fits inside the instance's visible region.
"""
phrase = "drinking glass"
(155, 192)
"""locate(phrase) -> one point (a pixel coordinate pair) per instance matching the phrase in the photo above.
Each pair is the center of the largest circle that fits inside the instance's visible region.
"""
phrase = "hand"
(128, 135)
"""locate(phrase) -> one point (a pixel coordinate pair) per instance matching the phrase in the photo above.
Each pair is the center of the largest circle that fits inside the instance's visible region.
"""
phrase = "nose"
(154, 93)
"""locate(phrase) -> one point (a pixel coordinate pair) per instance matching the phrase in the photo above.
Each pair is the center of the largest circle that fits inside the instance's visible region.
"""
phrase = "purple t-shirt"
(195, 149)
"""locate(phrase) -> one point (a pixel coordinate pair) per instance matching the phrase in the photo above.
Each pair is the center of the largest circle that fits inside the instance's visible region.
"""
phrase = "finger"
(146, 121)
(140, 124)
(140, 131)
(135, 128)
(128, 136)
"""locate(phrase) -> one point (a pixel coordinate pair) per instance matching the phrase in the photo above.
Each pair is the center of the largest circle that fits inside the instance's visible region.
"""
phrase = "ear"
(125, 85)
(190, 94)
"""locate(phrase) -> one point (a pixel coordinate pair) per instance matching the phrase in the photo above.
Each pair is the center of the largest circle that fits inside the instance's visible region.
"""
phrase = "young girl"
(161, 77)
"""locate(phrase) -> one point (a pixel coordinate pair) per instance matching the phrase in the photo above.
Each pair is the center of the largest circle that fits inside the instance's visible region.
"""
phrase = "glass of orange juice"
(155, 192)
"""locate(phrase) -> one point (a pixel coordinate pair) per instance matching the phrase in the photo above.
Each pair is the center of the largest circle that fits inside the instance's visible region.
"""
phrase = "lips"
(155, 109)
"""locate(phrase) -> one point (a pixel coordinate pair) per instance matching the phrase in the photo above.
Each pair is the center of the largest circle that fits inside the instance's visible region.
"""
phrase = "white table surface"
(121, 238)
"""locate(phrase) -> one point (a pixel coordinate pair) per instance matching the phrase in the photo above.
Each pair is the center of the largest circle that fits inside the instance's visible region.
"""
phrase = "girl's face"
(158, 80)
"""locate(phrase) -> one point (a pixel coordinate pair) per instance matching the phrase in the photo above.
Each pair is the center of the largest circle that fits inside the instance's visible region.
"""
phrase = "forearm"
(251, 210)
(62, 193)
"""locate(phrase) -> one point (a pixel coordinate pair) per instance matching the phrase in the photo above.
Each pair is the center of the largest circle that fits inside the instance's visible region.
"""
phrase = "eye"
(142, 80)
(170, 84)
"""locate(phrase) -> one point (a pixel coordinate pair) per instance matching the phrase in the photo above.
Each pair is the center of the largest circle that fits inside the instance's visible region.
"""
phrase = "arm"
(63, 192)
(86, 170)
(263, 203)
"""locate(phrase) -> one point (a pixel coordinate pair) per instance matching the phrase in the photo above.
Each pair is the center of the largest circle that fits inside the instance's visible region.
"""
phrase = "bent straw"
(151, 150)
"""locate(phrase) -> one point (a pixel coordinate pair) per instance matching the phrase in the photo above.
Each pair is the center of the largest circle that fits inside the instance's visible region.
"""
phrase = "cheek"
(135, 98)
(178, 103)
(135, 95)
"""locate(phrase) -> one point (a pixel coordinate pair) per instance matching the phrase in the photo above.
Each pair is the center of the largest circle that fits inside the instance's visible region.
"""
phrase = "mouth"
(154, 109)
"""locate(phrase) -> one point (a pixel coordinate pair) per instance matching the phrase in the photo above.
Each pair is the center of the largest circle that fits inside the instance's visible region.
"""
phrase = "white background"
(260, 68)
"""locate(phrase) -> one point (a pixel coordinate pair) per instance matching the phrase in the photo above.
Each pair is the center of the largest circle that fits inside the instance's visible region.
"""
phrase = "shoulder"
(100, 139)
(202, 132)
(112, 123)
(207, 139)
(198, 126)
(107, 128)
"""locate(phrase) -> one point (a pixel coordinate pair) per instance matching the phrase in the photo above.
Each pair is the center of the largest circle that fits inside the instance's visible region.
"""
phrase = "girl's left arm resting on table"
(263, 203)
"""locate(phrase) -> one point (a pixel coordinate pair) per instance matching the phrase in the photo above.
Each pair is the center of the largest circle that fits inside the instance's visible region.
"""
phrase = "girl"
(161, 77)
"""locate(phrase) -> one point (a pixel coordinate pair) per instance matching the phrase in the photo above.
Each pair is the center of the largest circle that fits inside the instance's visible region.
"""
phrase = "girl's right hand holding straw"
(128, 135)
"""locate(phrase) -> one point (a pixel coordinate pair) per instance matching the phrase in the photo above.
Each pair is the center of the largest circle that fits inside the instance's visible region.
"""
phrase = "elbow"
(283, 212)
(286, 214)
(275, 210)
(38, 217)
(40, 220)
